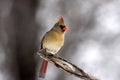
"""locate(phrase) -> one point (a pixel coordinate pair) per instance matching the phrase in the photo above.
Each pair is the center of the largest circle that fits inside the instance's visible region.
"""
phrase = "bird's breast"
(53, 42)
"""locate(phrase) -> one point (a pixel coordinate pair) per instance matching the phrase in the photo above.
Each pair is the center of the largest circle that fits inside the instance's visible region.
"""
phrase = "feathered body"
(52, 42)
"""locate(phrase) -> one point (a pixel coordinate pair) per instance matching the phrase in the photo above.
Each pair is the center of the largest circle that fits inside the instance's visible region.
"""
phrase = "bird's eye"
(61, 26)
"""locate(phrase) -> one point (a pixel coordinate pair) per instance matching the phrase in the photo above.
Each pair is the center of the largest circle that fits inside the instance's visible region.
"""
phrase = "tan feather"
(53, 41)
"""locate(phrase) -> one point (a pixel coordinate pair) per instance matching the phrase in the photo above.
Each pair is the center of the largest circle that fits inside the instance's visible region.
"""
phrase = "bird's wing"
(42, 41)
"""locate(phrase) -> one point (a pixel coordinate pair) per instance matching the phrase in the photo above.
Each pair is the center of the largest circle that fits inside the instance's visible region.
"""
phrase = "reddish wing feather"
(42, 42)
(43, 69)
(44, 64)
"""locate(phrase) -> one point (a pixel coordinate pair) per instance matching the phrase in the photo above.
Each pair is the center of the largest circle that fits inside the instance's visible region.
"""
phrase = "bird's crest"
(61, 19)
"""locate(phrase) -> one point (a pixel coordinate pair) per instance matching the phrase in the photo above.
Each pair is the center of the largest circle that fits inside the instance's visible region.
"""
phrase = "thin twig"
(65, 65)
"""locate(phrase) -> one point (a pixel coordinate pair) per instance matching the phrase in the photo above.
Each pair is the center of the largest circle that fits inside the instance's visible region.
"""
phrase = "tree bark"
(65, 65)
(18, 38)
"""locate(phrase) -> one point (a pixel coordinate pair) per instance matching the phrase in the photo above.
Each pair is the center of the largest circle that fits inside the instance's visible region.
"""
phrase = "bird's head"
(60, 26)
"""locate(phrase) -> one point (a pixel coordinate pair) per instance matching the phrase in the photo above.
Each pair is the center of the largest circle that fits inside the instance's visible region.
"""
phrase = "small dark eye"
(61, 26)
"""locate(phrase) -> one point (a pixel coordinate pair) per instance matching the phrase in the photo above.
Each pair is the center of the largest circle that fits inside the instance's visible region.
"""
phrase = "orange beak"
(65, 28)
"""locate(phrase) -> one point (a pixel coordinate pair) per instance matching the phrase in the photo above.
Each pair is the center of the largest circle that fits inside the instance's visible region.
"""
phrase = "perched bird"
(52, 42)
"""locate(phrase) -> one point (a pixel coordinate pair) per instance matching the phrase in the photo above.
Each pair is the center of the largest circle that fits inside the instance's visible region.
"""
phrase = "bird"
(52, 42)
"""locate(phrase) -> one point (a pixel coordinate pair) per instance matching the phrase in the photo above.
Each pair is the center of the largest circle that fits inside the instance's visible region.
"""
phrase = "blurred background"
(92, 43)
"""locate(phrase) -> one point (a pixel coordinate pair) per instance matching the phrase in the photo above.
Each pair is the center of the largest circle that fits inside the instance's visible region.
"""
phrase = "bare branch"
(65, 65)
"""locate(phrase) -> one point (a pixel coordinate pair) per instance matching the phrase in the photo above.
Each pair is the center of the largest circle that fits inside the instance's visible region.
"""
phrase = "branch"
(65, 65)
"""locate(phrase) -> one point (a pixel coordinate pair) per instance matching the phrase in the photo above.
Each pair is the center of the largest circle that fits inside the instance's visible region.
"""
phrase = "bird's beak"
(65, 28)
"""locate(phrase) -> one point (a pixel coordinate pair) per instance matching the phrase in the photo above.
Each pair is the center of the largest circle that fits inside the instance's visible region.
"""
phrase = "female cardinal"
(52, 42)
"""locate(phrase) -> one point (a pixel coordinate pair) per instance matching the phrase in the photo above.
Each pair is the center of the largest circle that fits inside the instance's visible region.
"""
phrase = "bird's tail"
(43, 69)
